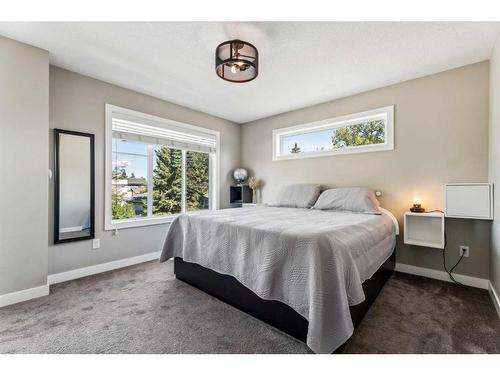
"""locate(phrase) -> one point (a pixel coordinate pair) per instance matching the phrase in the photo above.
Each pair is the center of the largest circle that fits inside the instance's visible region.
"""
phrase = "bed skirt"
(276, 313)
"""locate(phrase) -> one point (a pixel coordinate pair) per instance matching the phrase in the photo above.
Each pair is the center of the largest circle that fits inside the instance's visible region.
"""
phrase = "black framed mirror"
(74, 195)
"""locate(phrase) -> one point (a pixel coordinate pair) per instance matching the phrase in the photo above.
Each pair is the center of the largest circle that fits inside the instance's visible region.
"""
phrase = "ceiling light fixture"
(236, 61)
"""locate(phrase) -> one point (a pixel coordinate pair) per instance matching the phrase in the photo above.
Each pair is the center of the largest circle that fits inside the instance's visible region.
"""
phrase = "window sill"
(143, 222)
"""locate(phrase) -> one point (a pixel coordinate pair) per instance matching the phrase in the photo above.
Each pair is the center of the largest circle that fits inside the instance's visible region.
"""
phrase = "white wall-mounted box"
(469, 200)
(424, 229)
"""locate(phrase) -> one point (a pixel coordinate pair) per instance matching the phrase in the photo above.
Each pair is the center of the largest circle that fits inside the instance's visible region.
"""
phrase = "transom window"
(157, 168)
(360, 132)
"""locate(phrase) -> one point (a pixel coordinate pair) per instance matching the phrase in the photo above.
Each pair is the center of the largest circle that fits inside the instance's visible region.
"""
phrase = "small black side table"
(239, 194)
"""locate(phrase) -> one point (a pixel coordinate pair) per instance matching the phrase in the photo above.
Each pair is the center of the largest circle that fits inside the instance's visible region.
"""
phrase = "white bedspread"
(314, 261)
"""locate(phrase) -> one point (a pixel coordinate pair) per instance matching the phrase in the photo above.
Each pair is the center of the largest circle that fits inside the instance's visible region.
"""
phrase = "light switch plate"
(96, 243)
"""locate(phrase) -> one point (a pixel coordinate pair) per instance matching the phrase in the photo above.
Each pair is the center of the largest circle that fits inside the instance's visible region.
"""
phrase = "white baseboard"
(494, 298)
(43, 290)
(24, 295)
(442, 275)
(98, 268)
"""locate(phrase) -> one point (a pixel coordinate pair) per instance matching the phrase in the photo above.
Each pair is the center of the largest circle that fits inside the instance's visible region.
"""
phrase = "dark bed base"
(228, 289)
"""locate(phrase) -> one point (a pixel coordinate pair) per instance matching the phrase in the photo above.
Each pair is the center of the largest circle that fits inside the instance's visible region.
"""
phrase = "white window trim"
(214, 169)
(338, 122)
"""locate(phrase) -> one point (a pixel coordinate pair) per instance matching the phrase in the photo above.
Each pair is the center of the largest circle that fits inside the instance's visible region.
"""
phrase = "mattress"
(313, 261)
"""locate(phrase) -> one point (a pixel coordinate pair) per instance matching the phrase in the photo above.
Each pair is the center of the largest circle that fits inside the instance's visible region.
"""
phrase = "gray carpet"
(144, 309)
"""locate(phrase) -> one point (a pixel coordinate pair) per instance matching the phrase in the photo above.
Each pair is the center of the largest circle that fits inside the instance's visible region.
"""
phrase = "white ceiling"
(301, 64)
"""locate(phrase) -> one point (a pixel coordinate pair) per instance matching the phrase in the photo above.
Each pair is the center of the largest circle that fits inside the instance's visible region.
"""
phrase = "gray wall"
(77, 103)
(24, 145)
(495, 162)
(441, 135)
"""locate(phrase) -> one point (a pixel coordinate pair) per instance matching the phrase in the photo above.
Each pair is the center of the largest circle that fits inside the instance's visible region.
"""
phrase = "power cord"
(452, 268)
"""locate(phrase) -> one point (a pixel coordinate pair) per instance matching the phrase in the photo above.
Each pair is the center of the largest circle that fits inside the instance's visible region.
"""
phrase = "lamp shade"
(236, 61)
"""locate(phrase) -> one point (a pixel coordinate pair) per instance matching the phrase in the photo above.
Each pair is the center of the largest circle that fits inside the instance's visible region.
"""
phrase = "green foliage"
(366, 133)
(167, 185)
(119, 208)
(197, 180)
(295, 149)
(119, 174)
(167, 181)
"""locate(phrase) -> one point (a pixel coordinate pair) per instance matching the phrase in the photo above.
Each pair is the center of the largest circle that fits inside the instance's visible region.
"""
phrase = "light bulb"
(233, 69)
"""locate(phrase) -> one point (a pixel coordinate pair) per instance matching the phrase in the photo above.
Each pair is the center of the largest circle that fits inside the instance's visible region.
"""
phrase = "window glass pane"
(365, 133)
(167, 181)
(307, 142)
(197, 184)
(129, 190)
(129, 147)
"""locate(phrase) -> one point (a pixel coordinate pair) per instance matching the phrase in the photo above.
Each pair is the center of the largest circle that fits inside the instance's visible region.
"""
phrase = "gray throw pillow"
(354, 199)
(300, 196)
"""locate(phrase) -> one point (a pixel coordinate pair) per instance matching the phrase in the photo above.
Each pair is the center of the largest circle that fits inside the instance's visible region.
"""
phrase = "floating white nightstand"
(424, 229)
(469, 200)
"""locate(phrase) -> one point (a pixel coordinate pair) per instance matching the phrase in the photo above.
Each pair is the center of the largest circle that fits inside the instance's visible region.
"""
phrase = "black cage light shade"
(236, 61)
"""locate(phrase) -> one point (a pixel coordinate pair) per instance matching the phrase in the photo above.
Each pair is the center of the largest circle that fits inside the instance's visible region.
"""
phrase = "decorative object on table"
(239, 194)
(253, 183)
(240, 175)
(417, 205)
(236, 61)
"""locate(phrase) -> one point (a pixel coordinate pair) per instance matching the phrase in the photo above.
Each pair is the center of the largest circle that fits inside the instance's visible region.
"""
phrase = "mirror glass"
(74, 214)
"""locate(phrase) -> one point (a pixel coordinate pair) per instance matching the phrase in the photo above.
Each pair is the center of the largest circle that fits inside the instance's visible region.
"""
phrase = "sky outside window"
(130, 156)
(309, 142)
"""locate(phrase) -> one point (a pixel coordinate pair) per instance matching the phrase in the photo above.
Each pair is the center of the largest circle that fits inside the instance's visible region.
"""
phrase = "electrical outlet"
(464, 249)
(96, 243)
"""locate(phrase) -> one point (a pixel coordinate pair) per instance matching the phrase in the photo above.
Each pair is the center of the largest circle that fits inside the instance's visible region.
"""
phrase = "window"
(167, 181)
(360, 132)
(197, 181)
(130, 183)
(157, 168)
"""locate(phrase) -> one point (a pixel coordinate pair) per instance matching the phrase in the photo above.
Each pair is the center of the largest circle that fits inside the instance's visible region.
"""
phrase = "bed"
(310, 273)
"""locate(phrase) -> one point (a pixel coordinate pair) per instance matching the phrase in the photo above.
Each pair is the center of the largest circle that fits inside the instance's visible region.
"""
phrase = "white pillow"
(299, 196)
(354, 199)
